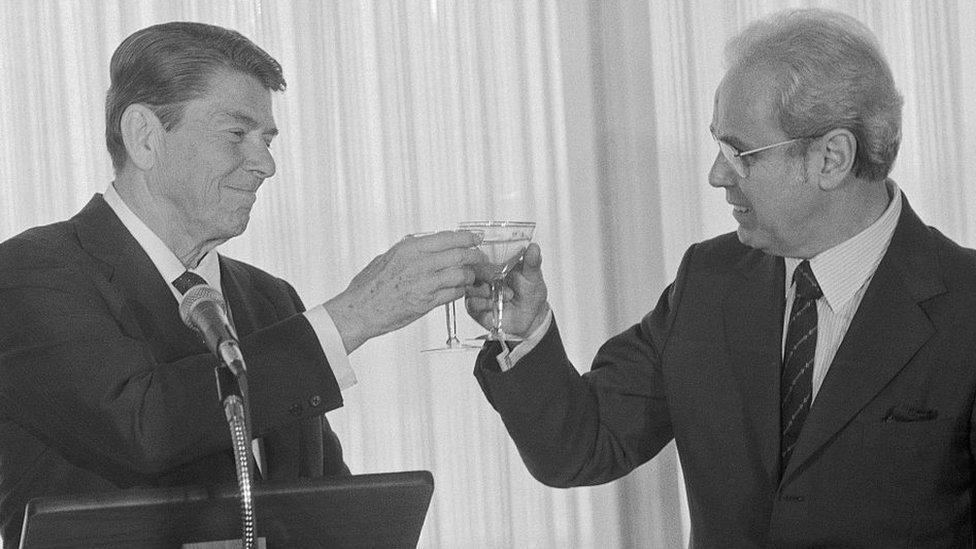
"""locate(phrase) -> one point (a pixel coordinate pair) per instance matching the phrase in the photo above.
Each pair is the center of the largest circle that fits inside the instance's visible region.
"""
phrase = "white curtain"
(589, 118)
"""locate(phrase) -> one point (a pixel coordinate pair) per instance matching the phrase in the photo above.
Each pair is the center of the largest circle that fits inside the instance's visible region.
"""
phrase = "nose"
(721, 174)
(260, 162)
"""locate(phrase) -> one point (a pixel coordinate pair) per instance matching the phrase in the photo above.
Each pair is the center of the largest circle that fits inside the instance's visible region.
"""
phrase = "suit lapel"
(753, 315)
(887, 330)
(250, 312)
(138, 295)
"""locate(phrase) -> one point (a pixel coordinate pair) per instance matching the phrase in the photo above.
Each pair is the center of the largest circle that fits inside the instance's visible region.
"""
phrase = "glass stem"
(451, 314)
(496, 298)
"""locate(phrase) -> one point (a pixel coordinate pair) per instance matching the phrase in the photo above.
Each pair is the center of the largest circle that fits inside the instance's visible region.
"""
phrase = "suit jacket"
(102, 386)
(885, 458)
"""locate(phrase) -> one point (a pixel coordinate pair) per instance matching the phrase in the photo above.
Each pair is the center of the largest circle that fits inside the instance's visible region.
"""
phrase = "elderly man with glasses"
(817, 369)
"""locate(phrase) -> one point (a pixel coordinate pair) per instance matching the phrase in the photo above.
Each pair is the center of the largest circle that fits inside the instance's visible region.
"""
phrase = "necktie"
(187, 280)
(796, 383)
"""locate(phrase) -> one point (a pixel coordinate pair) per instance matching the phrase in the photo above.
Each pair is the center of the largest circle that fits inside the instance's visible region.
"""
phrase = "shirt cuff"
(509, 357)
(331, 342)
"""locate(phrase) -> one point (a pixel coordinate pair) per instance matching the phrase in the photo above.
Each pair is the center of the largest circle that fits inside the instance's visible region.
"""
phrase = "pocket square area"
(910, 413)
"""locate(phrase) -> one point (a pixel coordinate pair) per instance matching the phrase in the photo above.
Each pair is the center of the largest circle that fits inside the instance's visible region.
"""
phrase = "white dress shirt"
(843, 273)
(170, 268)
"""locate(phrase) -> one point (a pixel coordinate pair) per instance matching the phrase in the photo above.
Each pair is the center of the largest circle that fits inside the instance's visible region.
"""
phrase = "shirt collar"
(169, 266)
(843, 269)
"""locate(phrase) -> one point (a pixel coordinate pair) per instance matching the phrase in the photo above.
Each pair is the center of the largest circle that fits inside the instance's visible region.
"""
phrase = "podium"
(375, 510)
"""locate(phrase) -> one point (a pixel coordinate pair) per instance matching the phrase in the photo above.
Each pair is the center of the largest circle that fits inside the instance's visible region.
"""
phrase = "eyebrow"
(243, 118)
(730, 139)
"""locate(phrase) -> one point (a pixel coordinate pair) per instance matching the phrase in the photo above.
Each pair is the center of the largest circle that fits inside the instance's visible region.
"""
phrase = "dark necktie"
(187, 280)
(796, 384)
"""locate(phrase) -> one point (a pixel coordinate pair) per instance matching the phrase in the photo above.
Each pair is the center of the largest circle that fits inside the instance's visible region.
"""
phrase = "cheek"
(787, 207)
(216, 165)
(226, 163)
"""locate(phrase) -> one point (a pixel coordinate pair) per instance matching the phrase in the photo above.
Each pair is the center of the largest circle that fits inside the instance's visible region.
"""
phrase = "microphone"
(202, 308)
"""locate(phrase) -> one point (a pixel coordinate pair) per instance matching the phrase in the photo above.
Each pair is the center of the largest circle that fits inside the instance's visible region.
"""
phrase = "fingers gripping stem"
(498, 302)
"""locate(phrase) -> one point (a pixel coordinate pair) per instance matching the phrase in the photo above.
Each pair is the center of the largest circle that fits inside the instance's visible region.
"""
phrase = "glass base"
(454, 347)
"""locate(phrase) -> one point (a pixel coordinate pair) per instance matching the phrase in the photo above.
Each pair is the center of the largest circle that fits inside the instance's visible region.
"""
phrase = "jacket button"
(295, 410)
(315, 401)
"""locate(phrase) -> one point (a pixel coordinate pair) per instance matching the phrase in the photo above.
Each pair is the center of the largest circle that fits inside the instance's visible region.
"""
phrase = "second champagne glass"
(453, 343)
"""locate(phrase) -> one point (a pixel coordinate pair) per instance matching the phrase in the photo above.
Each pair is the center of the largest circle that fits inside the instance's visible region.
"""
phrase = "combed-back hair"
(166, 65)
(830, 74)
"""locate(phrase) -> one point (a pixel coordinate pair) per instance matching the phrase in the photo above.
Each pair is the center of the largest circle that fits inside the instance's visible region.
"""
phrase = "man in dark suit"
(817, 368)
(101, 385)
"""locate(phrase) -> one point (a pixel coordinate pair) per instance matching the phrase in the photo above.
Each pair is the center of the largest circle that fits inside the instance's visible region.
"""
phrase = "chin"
(751, 239)
(235, 227)
(239, 230)
(744, 235)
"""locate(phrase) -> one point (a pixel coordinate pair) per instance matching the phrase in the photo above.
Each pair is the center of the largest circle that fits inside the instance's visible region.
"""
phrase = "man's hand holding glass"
(523, 292)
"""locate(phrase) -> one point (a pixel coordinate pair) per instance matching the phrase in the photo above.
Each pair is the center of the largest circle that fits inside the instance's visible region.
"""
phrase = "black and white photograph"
(487, 273)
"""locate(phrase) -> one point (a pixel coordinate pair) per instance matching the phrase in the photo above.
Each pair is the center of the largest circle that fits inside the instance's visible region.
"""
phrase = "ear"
(141, 133)
(836, 158)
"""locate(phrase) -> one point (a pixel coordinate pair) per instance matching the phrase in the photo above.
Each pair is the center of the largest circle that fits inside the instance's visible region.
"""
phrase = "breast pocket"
(901, 460)
(891, 433)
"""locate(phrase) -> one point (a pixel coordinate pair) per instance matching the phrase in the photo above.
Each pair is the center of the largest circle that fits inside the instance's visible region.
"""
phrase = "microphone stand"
(232, 391)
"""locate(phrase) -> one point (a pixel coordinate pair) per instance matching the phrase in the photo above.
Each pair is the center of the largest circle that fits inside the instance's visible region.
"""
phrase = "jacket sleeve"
(573, 429)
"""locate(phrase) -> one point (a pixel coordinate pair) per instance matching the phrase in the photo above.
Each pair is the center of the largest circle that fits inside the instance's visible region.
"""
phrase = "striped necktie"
(796, 383)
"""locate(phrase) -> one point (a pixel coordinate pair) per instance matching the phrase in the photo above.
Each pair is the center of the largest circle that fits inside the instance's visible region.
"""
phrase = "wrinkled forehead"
(743, 113)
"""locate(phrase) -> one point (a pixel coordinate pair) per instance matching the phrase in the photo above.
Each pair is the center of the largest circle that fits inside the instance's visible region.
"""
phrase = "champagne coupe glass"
(504, 243)
(453, 343)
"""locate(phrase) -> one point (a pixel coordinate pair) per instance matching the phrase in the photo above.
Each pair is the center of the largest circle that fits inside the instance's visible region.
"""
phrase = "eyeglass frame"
(732, 155)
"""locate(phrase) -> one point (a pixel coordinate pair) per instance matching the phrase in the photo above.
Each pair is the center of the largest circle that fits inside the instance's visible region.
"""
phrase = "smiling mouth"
(741, 209)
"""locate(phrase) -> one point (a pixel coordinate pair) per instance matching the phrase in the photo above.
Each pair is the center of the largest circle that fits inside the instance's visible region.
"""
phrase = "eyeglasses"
(735, 158)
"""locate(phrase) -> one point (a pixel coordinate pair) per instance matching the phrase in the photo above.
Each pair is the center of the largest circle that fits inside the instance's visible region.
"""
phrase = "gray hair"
(831, 74)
